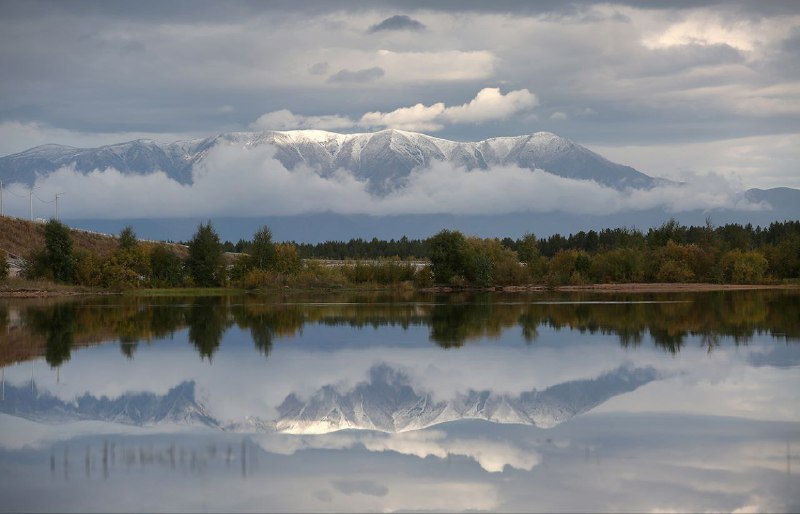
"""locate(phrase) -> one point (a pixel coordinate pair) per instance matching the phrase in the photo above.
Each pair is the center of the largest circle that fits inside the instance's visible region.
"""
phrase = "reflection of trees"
(207, 324)
(268, 321)
(52, 329)
(58, 326)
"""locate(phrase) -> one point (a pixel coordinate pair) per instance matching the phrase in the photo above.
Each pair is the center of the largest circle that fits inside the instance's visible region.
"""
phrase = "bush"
(384, 272)
(36, 265)
(118, 276)
(58, 249)
(256, 278)
(423, 277)
(568, 267)
(4, 266)
(286, 259)
(87, 269)
(672, 270)
(620, 265)
(166, 268)
(744, 267)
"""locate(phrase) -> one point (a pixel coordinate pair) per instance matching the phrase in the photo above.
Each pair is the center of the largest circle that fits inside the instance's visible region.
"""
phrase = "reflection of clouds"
(368, 487)
(492, 456)
(613, 461)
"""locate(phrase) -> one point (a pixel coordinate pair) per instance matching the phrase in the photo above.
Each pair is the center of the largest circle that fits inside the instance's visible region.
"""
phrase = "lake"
(375, 402)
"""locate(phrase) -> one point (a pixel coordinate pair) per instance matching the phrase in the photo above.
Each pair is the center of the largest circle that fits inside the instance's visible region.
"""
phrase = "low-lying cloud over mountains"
(390, 172)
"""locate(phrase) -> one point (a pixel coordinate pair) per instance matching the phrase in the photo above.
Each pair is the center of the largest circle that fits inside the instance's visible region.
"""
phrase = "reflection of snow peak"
(388, 403)
(177, 406)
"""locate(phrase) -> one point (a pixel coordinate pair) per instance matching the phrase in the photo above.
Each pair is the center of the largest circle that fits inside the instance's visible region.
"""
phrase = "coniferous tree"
(205, 262)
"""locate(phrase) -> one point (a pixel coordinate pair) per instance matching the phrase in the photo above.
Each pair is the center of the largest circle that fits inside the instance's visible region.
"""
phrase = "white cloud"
(284, 119)
(420, 118)
(710, 27)
(760, 161)
(491, 104)
(488, 105)
(558, 115)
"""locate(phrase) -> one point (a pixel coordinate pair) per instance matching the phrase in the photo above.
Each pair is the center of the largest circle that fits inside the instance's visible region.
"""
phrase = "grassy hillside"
(19, 237)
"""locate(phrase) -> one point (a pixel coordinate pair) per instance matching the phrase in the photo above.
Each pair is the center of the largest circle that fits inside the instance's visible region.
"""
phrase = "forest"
(670, 253)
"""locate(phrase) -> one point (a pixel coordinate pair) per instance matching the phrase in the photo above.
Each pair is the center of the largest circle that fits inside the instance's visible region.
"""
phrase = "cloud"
(558, 115)
(398, 22)
(356, 77)
(368, 487)
(287, 120)
(235, 181)
(488, 105)
(491, 104)
(761, 161)
(319, 68)
(419, 118)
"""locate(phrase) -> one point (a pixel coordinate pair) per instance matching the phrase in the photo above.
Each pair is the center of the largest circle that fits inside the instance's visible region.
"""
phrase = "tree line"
(669, 253)
(134, 264)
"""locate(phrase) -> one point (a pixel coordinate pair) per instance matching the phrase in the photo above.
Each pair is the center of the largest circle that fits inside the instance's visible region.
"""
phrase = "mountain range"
(382, 158)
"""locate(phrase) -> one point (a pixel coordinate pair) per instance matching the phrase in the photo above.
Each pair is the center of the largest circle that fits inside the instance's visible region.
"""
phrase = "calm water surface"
(540, 402)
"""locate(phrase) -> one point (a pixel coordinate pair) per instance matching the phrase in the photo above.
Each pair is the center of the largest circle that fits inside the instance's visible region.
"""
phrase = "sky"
(674, 89)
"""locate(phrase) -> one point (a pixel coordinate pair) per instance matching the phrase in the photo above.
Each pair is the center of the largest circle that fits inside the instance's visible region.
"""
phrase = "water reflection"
(370, 403)
(52, 329)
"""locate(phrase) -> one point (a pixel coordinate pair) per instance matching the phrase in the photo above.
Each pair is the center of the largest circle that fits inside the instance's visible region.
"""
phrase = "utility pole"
(30, 201)
(57, 195)
(1, 197)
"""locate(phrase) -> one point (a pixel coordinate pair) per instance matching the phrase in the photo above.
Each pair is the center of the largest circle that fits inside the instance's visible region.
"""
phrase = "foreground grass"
(18, 286)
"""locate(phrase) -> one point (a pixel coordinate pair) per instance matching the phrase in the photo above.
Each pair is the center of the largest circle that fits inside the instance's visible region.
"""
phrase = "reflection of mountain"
(178, 405)
(389, 403)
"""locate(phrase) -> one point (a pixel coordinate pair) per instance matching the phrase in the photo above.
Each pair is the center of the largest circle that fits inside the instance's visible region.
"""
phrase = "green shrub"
(741, 267)
(4, 266)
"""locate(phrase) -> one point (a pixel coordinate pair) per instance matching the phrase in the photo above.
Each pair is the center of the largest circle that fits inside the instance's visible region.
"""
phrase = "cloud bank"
(488, 105)
(233, 181)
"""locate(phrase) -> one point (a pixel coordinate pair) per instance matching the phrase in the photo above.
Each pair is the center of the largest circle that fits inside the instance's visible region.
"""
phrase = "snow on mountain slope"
(384, 159)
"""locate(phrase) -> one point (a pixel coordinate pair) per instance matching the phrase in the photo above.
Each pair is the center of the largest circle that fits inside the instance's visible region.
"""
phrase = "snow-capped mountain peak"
(384, 159)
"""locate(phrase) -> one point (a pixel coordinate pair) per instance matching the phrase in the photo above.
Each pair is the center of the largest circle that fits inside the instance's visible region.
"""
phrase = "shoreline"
(639, 287)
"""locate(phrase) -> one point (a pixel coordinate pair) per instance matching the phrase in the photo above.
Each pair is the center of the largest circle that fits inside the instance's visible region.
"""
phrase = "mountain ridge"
(384, 158)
